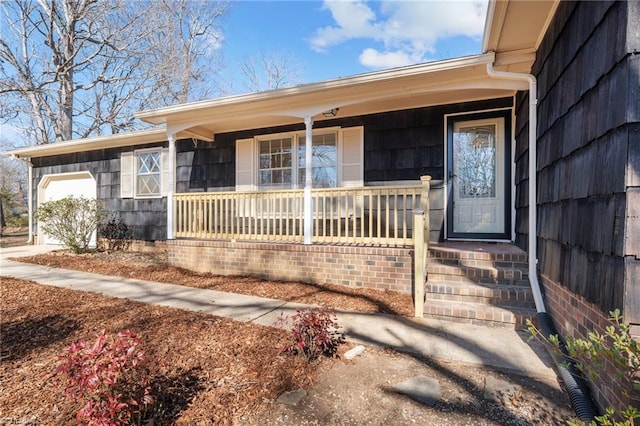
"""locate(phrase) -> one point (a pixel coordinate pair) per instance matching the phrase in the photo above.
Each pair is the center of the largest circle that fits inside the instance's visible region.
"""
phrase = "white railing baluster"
(371, 215)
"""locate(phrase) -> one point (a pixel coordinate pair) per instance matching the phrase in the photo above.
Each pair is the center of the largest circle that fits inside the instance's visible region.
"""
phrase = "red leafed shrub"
(314, 332)
(108, 377)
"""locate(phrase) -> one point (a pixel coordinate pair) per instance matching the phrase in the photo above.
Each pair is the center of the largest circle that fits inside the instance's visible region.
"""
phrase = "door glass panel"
(475, 157)
(478, 177)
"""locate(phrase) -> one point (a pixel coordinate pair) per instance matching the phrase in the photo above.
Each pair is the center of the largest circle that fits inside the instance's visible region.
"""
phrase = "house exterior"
(322, 182)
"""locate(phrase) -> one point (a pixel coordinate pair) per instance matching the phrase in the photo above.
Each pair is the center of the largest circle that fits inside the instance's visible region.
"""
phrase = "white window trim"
(248, 179)
(132, 158)
(295, 142)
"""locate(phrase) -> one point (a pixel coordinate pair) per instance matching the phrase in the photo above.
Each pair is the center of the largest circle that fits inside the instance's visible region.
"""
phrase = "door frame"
(450, 120)
(43, 185)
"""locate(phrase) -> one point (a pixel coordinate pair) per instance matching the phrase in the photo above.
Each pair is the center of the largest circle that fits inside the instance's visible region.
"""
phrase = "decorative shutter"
(126, 174)
(164, 172)
(245, 165)
(352, 157)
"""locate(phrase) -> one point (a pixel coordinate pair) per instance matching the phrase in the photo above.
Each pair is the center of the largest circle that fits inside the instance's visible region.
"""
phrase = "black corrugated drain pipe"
(575, 385)
(573, 380)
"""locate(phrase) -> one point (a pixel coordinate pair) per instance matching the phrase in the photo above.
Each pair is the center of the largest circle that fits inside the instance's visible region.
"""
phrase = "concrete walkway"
(506, 350)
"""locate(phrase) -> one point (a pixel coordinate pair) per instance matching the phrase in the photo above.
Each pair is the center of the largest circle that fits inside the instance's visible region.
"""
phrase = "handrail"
(376, 215)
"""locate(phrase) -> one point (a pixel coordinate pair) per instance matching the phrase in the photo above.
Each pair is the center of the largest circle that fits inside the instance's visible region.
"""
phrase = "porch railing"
(378, 215)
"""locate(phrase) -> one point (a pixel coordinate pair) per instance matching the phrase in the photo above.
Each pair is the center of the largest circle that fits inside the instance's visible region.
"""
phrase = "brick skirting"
(576, 317)
(384, 268)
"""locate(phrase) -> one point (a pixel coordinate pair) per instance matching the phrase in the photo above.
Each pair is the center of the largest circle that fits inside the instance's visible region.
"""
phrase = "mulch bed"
(205, 369)
(152, 267)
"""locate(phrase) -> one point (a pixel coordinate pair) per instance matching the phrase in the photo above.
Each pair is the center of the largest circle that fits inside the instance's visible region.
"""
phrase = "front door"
(479, 178)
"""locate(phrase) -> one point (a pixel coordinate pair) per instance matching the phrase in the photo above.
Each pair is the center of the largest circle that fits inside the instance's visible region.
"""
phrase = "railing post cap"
(425, 178)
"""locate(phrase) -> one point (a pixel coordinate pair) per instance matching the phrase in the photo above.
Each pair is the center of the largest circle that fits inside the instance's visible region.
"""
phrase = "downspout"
(29, 194)
(533, 119)
(576, 386)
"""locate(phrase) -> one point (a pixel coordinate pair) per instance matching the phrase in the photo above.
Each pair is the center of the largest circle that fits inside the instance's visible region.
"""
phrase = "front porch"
(361, 237)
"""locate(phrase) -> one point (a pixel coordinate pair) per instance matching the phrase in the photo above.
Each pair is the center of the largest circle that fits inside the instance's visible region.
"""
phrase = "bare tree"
(13, 187)
(271, 70)
(83, 67)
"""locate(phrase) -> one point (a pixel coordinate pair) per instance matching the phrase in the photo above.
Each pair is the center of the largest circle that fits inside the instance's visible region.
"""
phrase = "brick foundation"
(574, 316)
(383, 268)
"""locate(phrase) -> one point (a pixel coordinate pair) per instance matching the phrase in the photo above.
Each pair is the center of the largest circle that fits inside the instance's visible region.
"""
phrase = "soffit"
(514, 29)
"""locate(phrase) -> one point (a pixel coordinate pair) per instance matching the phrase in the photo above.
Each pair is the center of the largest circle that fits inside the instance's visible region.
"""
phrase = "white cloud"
(407, 30)
(353, 19)
(374, 59)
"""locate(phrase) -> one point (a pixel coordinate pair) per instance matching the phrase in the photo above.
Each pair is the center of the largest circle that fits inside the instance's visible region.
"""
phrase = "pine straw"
(205, 369)
(152, 268)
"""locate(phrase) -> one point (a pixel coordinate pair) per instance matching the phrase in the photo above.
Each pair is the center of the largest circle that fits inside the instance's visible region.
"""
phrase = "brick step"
(472, 313)
(506, 296)
(508, 275)
(477, 251)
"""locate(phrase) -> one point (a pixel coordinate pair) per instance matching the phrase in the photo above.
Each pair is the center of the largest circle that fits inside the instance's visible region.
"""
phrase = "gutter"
(574, 383)
(29, 194)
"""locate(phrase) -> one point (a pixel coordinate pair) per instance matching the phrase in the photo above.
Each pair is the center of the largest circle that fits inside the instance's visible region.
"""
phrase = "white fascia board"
(91, 144)
(162, 115)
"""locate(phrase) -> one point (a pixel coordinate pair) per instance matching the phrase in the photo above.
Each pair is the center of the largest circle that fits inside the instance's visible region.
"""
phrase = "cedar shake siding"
(146, 218)
(398, 146)
(588, 71)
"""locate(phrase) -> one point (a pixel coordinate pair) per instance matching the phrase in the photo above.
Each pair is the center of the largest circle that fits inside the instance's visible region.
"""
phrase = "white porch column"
(308, 182)
(30, 200)
(172, 185)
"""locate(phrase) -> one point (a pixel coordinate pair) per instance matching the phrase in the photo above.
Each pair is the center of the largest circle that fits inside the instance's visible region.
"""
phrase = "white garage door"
(56, 187)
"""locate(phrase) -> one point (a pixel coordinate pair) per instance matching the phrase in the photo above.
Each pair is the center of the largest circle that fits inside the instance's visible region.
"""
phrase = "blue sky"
(331, 39)
(340, 38)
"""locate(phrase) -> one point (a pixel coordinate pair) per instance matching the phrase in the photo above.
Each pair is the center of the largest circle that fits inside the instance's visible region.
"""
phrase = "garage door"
(58, 186)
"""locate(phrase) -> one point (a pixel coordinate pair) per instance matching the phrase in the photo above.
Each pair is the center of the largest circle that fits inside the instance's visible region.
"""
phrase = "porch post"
(419, 262)
(171, 180)
(308, 182)
(424, 203)
(30, 201)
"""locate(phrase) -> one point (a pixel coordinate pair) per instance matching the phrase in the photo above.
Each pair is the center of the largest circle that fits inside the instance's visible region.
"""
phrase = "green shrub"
(71, 220)
(615, 347)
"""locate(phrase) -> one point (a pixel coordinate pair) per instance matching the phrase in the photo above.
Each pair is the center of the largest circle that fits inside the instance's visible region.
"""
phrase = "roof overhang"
(513, 32)
(515, 29)
(434, 83)
(91, 144)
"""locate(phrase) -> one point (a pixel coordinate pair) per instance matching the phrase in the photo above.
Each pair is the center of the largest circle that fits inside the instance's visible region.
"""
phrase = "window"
(144, 173)
(324, 161)
(278, 161)
(148, 173)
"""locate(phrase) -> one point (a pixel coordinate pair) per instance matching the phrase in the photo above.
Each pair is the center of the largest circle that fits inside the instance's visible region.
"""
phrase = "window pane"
(148, 173)
(324, 160)
(275, 162)
(265, 161)
(265, 177)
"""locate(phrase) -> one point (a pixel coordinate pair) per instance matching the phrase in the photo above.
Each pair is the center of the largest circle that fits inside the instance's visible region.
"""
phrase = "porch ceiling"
(435, 83)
